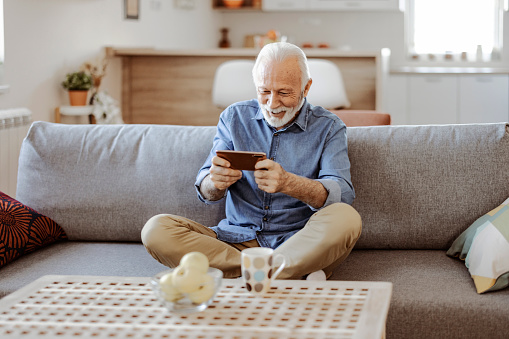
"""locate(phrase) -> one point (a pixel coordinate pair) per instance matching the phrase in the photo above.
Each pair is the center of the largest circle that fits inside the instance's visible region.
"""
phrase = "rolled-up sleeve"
(334, 171)
(222, 141)
(333, 190)
(199, 179)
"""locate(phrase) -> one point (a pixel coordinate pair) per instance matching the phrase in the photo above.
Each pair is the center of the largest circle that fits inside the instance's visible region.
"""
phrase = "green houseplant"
(78, 84)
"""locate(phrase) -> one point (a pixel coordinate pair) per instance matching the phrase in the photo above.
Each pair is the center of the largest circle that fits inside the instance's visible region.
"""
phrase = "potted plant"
(78, 84)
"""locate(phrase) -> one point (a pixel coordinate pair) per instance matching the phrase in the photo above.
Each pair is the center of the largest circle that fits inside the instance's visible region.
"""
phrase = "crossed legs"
(324, 242)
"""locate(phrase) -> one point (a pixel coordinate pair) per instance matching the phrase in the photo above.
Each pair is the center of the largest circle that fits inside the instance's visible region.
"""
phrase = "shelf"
(76, 110)
(312, 5)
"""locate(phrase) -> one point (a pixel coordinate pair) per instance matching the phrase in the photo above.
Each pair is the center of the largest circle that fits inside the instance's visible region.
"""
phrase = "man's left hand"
(270, 176)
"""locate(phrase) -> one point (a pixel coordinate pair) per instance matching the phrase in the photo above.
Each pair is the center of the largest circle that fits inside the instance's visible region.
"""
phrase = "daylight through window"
(454, 26)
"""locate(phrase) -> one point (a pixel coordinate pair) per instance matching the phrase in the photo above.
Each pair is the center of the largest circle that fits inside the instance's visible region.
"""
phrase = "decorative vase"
(78, 98)
(224, 42)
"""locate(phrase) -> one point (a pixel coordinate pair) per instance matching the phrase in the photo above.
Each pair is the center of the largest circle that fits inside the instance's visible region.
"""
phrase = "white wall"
(45, 39)
(362, 31)
(357, 31)
(369, 30)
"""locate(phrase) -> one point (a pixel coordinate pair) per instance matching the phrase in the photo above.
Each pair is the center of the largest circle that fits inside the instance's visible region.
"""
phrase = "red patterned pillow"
(23, 230)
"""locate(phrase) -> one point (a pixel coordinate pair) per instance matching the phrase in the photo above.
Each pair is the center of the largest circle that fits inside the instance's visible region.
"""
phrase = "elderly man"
(297, 201)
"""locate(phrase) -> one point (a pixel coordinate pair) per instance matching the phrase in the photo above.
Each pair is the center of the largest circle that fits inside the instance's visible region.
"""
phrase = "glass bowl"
(185, 304)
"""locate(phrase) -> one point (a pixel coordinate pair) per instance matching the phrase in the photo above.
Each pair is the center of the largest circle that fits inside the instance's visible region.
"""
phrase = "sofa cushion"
(417, 187)
(420, 187)
(80, 258)
(485, 248)
(103, 182)
(24, 230)
(433, 295)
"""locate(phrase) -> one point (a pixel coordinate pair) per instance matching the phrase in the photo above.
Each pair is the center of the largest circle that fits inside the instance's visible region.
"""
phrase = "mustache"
(267, 108)
(276, 110)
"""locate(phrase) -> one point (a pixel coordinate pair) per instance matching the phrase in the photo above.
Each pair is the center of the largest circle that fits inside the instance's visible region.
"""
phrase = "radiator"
(14, 124)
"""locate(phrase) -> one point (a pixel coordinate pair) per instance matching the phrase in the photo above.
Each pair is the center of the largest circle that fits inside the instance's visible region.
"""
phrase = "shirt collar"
(302, 118)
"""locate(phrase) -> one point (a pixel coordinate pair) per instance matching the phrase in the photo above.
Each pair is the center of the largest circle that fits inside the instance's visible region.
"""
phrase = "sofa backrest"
(103, 182)
(417, 187)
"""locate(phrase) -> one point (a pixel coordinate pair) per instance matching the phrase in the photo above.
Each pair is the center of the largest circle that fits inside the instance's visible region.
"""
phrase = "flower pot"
(78, 98)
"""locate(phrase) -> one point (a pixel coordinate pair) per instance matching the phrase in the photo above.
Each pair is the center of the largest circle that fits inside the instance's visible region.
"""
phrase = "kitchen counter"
(169, 86)
(250, 52)
(449, 70)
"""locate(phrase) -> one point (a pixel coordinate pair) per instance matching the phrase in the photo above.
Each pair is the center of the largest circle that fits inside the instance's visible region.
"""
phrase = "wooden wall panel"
(359, 76)
(177, 89)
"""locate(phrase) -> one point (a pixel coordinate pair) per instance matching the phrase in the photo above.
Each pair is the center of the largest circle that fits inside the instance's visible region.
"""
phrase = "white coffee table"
(122, 307)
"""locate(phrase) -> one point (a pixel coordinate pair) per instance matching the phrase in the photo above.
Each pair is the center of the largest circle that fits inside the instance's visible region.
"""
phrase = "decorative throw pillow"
(485, 248)
(23, 230)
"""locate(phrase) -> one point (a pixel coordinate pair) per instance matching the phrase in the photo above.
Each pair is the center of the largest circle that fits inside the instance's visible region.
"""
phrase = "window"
(453, 27)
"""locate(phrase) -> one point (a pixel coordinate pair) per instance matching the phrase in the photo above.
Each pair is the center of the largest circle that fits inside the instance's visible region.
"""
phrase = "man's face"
(280, 91)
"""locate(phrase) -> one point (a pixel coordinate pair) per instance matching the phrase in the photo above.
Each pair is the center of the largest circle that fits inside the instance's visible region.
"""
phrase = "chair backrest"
(328, 89)
(233, 82)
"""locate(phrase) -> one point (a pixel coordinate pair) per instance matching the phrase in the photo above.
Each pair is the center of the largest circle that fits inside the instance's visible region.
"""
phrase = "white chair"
(233, 82)
(328, 89)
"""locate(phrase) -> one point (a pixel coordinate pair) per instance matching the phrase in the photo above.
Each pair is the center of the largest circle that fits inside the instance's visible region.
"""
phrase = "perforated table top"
(120, 307)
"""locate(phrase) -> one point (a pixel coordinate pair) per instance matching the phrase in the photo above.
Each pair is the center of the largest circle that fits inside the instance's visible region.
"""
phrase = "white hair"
(280, 51)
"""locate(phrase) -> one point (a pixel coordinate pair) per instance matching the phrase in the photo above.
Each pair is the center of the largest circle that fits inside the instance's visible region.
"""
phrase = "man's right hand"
(221, 176)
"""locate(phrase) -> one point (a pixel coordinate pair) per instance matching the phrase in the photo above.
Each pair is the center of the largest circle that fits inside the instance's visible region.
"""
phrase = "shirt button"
(275, 134)
(266, 207)
(264, 219)
(272, 158)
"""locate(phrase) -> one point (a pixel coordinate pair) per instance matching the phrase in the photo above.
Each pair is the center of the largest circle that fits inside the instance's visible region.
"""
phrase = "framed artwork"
(132, 9)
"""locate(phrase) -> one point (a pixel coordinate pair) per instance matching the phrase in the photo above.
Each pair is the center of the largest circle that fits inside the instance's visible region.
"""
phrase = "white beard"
(275, 122)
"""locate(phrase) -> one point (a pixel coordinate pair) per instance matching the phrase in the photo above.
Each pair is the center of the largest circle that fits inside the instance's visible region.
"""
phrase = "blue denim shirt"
(313, 146)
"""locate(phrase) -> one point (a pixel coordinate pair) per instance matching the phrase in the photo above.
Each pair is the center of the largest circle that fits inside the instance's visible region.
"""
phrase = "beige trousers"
(324, 242)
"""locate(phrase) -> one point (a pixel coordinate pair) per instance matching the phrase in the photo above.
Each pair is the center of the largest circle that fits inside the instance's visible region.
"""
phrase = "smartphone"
(242, 160)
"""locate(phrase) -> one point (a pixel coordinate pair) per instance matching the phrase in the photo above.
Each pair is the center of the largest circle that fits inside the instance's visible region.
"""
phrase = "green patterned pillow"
(485, 248)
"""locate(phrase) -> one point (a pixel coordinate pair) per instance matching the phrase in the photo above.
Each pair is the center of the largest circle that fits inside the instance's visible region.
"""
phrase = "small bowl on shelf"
(233, 3)
(196, 300)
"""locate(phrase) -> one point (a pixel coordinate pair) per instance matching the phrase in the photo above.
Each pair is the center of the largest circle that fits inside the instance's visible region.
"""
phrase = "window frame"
(501, 6)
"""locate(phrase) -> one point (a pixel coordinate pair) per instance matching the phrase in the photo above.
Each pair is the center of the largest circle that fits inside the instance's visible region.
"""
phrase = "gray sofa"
(418, 188)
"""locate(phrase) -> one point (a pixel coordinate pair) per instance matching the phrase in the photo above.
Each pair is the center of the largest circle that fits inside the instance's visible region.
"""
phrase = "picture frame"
(132, 9)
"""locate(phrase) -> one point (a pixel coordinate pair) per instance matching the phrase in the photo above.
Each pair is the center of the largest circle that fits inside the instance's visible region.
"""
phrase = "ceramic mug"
(258, 265)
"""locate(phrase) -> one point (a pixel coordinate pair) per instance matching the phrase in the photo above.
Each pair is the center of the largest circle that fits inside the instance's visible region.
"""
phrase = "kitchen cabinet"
(483, 98)
(332, 5)
(356, 5)
(285, 5)
(448, 96)
(432, 99)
